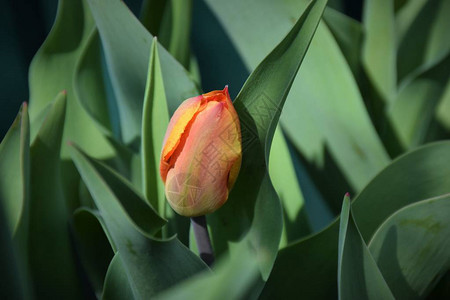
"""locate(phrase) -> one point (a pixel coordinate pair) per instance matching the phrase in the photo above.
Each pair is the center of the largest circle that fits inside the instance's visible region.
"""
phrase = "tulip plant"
(327, 176)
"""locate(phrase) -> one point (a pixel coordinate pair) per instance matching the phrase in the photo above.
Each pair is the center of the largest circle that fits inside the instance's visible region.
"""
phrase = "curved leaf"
(428, 36)
(412, 247)
(284, 180)
(53, 69)
(348, 33)
(88, 83)
(150, 265)
(231, 279)
(414, 108)
(104, 183)
(126, 43)
(12, 286)
(116, 281)
(309, 265)
(14, 171)
(358, 274)
(255, 27)
(49, 245)
(253, 201)
(15, 202)
(94, 248)
(379, 55)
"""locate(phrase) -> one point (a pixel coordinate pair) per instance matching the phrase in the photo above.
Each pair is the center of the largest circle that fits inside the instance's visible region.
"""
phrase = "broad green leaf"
(143, 216)
(116, 281)
(14, 198)
(413, 111)
(89, 84)
(53, 69)
(12, 283)
(155, 118)
(94, 249)
(358, 273)
(150, 265)
(428, 36)
(255, 27)
(126, 43)
(253, 201)
(49, 246)
(14, 172)
(309, 265)
(284, 180)
(412, 247)
(38, 120)
(379, 46)
(231, 279)
(415, 176)
(348, 33)
(306, 269)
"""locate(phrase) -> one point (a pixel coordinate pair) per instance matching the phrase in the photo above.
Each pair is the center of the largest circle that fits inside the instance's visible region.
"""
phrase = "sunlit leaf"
(310, 265)
(412, 247)
(259, 106)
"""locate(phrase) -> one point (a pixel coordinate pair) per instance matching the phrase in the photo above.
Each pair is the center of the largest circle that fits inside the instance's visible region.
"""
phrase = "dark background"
(24, 24)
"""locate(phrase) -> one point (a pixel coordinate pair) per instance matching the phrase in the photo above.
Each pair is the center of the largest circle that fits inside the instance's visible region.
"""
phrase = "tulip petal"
(198, 182)
(177, 126)
(181, 118)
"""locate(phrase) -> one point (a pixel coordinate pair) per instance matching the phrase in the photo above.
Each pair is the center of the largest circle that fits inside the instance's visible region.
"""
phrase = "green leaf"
(255, 27)
(284, 180)
(143, 216)
(150, 265)
(14, 172)
(379, 47)
(231, 278)
(14, 203)
(49, 245)
(412, 247)
(13, 286)
(348, 33)
(358, 274)
(405, 16)
(310, 265)
(443, 108)
(116, 281)
(428, 36)
(94, 248)
(155, 120)
(179, 45)
(415, 176)
(89, 86)
(253, 201)
(53, 69)
(126, 44)
(413, 111)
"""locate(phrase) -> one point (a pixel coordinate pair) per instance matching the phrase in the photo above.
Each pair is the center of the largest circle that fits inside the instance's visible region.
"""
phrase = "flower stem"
(202, 239)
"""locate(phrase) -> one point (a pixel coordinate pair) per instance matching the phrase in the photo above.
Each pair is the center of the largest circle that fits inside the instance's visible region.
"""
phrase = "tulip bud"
(201, 154)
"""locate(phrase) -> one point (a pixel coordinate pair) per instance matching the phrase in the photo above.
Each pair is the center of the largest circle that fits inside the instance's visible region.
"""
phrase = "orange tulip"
(201, 154)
